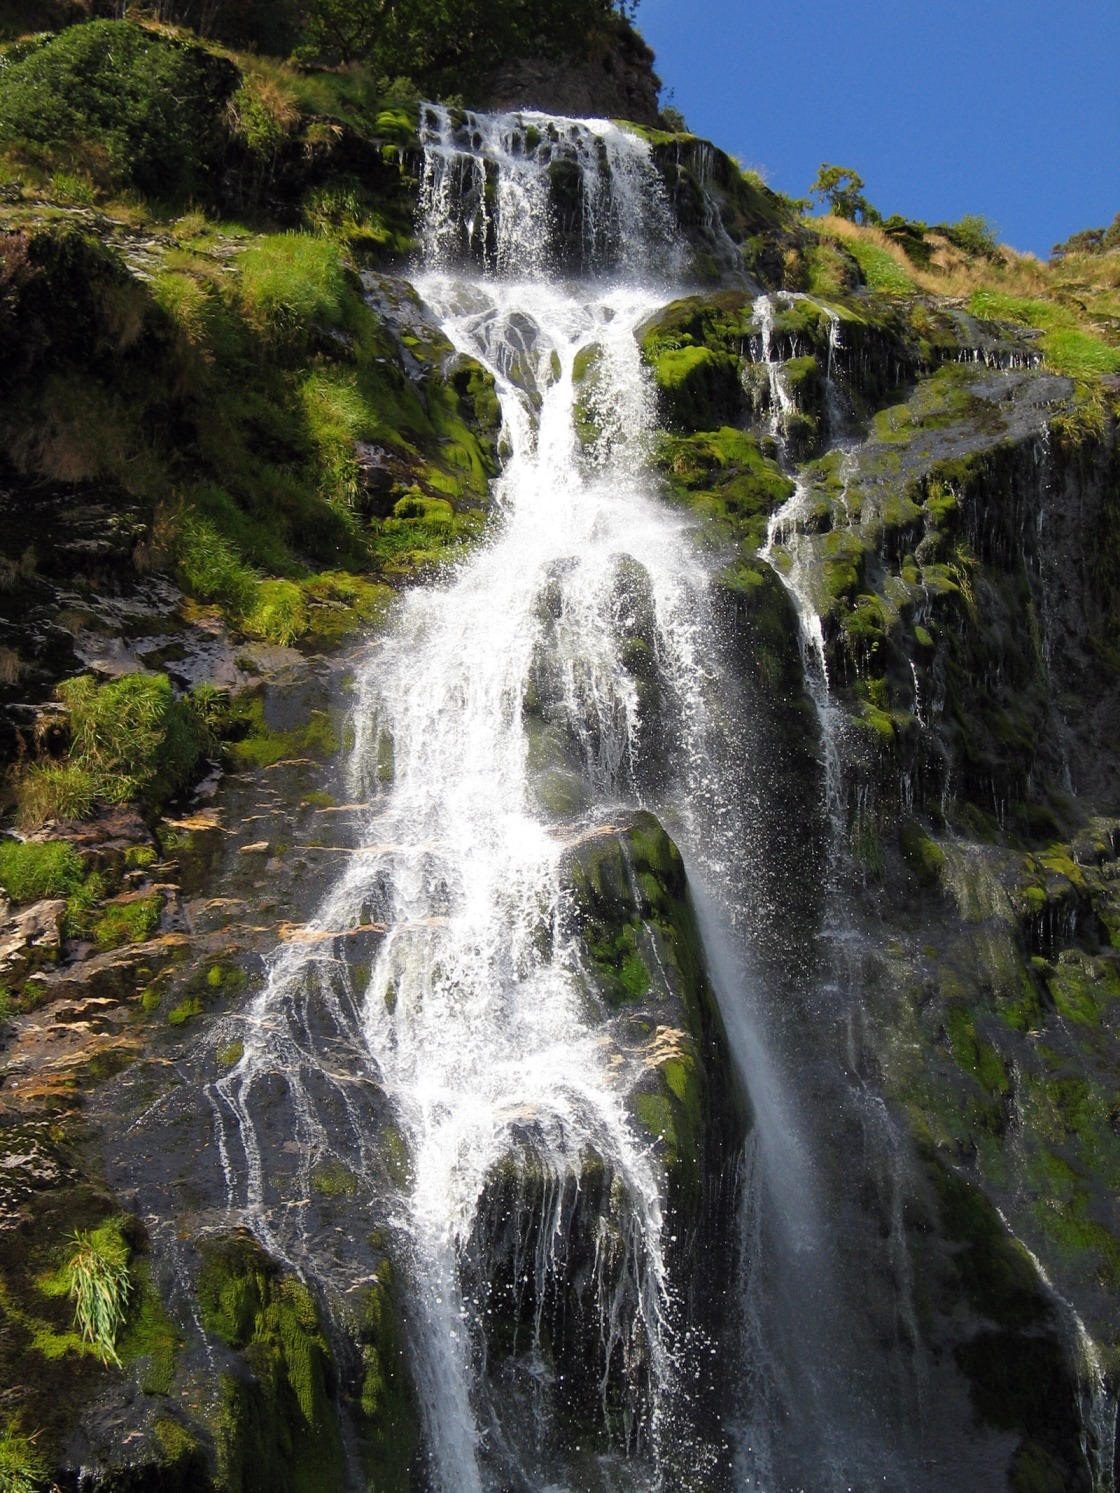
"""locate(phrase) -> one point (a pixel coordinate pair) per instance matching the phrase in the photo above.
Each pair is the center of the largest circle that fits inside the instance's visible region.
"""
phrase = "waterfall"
(507, 1089)
(468, 1076)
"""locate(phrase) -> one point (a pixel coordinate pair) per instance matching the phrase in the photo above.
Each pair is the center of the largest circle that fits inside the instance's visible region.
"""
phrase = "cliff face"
(616, 81)
(226, 447)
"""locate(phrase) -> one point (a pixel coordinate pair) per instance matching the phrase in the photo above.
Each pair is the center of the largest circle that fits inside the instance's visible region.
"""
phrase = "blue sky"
(1008, 108)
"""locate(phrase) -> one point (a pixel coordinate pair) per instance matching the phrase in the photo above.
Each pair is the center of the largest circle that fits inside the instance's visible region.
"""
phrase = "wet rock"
(641, 952)
(31, 939)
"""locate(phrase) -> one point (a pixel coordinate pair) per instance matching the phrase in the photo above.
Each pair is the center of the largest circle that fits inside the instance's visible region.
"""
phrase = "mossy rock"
(699, 389)
(725, 476)
(389, 1422)
(277, 1423)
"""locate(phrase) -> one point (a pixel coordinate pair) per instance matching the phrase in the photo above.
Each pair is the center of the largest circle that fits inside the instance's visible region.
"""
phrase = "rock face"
(616, 81)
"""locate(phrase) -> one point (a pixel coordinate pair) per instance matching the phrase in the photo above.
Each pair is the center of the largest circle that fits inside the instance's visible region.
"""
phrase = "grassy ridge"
(1074, 302)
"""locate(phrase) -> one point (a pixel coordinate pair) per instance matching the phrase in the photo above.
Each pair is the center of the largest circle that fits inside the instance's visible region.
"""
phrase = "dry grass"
(1073, 301)
(12, 667)
(262, 112)
(952, 272)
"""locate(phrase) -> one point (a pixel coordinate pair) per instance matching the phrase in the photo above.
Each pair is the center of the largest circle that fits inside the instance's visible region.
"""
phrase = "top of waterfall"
(524, 193)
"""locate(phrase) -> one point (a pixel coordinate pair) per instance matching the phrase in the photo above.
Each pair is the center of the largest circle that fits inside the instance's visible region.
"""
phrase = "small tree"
(842, 189)
(346, 29)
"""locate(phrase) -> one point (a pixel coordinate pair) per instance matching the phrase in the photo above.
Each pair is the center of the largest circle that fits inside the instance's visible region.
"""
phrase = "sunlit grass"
(1072, 302)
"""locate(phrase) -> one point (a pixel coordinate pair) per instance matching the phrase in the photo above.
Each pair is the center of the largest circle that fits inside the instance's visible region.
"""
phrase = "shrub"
(148, 105)
(975, 235)
(32, 870)
(130, 738)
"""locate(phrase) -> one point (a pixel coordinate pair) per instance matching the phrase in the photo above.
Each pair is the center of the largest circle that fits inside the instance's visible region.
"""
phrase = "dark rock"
(616, 82)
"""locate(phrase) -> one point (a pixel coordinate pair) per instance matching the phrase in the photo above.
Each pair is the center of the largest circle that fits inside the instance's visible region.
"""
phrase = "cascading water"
(474, 1020)
(469, 1066)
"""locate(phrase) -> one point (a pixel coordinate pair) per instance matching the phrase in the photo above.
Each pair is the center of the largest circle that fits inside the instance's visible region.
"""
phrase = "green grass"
(130, 738)
(881, 270)
(32, 870)
(97, 1280)
(209, 567)
(279, 614)
(23, 1468)
(291, 281)
(54, 790)
(1067, 347)
(132, 733)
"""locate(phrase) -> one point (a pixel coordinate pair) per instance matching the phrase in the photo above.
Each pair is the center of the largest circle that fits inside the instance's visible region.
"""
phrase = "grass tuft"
(98, 1283)
(31, 870)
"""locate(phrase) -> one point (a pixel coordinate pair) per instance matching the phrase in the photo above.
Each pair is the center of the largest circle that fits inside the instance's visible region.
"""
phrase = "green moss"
(673, 1116)
(185, 1011)
(262, 746)
(331, 1179)
(125, 922)
(996, 1272)
(656, 1115)
(923, 855)
(150, 1343)
(184, 1458)
(390, 1414)
(276, 1426)
(1076, 991)
(843, 562)
(725, 477)
(699, 387)
(973, 1053)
